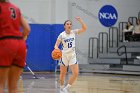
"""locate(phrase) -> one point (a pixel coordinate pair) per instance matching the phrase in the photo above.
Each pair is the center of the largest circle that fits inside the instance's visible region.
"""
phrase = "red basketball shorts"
(12, 52)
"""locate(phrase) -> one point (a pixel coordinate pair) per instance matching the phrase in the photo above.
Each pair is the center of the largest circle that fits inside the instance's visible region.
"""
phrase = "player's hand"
(56, 48)
(78, 18)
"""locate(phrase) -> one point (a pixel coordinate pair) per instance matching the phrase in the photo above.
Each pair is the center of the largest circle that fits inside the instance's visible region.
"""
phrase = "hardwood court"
(86, 83)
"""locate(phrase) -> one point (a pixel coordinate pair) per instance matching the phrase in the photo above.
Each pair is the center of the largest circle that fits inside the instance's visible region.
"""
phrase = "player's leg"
(14, 75)
(63, 71)
(75, 70)
(5, 62)
(3, 78)
(17, 66)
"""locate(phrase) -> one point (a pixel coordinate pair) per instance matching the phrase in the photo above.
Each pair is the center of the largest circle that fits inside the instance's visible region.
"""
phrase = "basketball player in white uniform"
(67, 38)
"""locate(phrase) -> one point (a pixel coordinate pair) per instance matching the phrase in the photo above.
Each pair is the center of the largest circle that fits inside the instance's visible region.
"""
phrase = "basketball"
(56, 54)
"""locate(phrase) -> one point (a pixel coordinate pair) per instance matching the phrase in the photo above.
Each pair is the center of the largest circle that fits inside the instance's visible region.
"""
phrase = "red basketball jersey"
(9, 20)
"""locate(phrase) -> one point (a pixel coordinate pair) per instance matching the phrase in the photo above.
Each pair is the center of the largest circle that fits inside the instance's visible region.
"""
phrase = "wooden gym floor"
(86, 83)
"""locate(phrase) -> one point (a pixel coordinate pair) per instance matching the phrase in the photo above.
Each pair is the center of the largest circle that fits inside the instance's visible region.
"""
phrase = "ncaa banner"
(108, 16)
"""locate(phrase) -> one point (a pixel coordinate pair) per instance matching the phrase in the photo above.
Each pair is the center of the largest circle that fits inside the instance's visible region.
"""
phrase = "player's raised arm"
(84, 27)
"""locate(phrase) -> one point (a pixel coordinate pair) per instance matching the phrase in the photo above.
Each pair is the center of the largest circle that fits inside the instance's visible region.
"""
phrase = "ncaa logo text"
(108, 15)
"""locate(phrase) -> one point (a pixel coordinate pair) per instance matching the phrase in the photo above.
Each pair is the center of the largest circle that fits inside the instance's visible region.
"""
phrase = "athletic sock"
(62, 86)
(68, 86)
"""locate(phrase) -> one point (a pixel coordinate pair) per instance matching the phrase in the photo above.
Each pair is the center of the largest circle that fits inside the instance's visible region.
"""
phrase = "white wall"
(61, 11)
(43, 11)
(88, 11)
(57, 11)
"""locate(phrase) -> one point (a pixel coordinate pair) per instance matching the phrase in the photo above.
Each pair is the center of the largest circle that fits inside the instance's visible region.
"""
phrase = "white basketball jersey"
(68, 41)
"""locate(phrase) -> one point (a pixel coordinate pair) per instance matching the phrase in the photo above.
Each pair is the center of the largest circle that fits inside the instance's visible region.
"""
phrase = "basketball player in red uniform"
(12, 45)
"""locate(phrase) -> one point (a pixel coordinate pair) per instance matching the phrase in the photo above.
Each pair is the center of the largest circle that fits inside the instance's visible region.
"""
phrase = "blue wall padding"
(40, 44)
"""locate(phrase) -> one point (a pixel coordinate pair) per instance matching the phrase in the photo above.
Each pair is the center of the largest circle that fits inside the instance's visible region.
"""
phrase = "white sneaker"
(62, 90)
(66, 90)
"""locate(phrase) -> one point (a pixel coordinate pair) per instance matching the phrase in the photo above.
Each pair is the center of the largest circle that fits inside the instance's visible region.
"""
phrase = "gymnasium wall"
(47, 17)
(88, 10)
